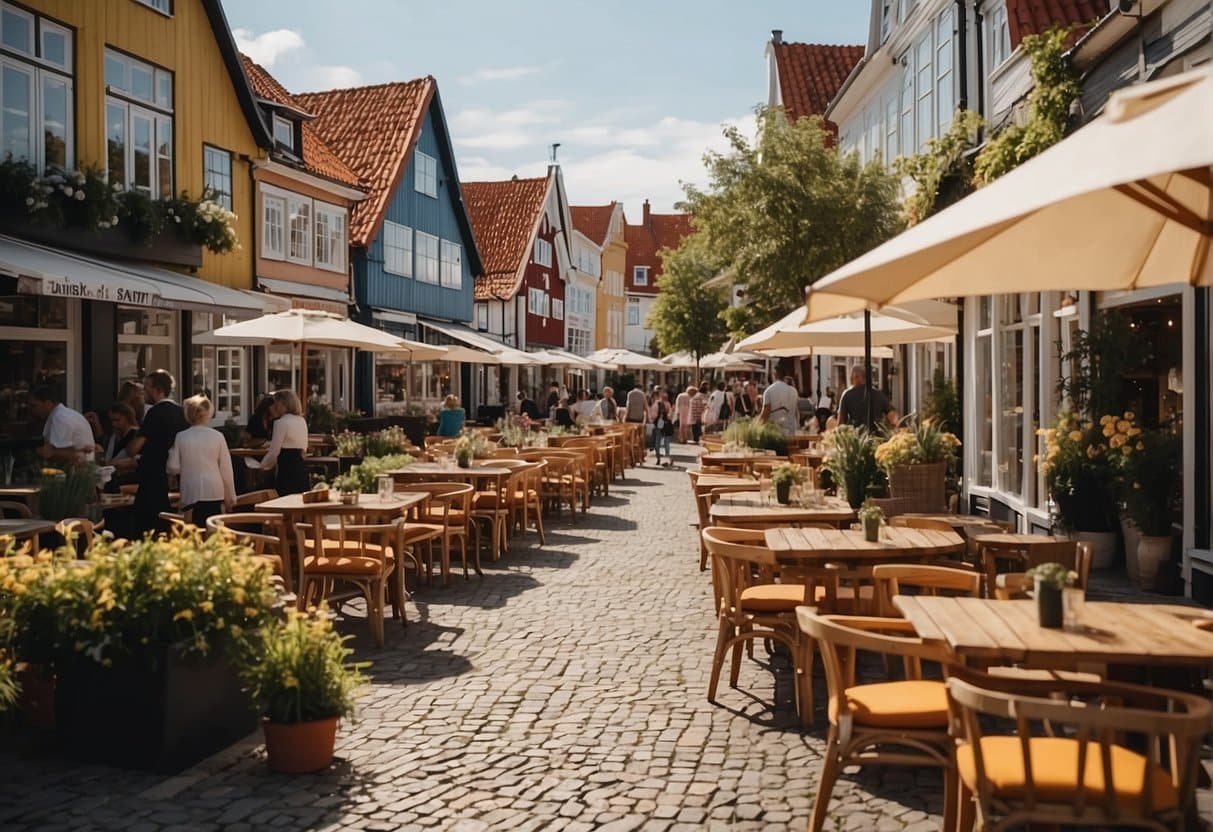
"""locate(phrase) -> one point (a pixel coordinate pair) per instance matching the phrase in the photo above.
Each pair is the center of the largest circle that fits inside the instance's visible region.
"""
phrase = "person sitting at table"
(606, 406)
(287, 444)
(260, 425)
(66, 434)
(123, 428)
(584, 409)
(527, 407)
(201, 458)
(131, 394)
(451, 417)
(563, 417)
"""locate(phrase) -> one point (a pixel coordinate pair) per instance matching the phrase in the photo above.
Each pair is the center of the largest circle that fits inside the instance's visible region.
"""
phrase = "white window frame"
(157, 110)
(944, 79)
(542, 255)
(997, 36)
(451, 265)
(558, 309)
(273, 226)
(281, 123)
(296, 206)
(426, 251)
(924, 87)
(164, 7)
(634, 304)
(328, 245)
(640, 275)
(536, 301)
(425, 174)
(211, 153)
(40, 72)
(482, 317)
(397, 249)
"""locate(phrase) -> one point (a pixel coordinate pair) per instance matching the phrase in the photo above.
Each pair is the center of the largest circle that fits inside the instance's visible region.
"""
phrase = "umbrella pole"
(303, 373)
(867, 361)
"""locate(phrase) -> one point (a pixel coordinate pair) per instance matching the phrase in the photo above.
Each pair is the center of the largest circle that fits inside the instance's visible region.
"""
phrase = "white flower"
(79, 196)
(78, 178)
(117, 186)
(177, 220)
(29, 201)
(68, 191)
(170, 212)
(114, 220)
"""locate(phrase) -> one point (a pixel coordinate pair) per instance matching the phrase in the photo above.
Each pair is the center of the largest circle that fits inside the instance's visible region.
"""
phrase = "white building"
(581, 303)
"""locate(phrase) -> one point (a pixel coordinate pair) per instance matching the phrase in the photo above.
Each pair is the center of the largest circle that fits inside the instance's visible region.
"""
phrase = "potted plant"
(1080, 476)
(917, 461)
(65, 492)
(1153, 475)
(783, 477)
(348, 444)
(851, 462)
(302, 683)
(748, 433)
(871, 517)
(349, 486)
(464, 451)
(1050, 581)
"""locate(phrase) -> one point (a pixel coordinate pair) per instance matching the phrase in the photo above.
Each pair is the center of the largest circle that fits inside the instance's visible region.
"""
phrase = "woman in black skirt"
(287, 445)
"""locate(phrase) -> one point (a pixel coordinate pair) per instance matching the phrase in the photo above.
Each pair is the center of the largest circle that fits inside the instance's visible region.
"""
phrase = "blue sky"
(634, 90)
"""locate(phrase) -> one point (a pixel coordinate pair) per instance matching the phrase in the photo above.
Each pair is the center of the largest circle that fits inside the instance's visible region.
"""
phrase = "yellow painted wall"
(614, 259)
(205, 106)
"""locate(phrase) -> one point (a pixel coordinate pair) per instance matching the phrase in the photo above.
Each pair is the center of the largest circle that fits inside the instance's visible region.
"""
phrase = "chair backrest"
(252, 498)
(504, 453)
(1065, 552)
(1097, 715)
(78, 531)
(893, 579)
(16, 510)
(740, 558)
(1011, 585)
(930, 523)
(265, 532)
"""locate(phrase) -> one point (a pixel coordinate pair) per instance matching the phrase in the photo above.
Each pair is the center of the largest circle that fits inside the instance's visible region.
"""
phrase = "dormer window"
(886, 20)
(284, 133)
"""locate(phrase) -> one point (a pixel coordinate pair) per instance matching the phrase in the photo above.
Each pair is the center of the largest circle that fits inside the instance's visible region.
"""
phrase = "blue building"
(413, 256)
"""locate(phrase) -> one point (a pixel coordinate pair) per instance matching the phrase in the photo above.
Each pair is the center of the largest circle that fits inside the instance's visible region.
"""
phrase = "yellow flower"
(238, 594)
(1130, 415)
(206, 606)
(236, 631)
(250, 612)
(1109, 429)
(184, 615)
(1127, 449)
(290, 681)
(1134, 431)
(1123, 426)
(1091, 452)
(1103, 420)
(1075, 436)
(1141, 446)
(1117, 440)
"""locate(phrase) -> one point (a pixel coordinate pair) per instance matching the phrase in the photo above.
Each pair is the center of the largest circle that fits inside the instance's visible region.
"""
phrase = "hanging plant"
(943, 173)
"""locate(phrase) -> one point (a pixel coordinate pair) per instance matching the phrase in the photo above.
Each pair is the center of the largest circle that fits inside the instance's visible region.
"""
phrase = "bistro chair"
(11, 509)
(264, 532)
(902, 722)
(1062, 751)
(491, 504)
(253, 498)
(78, 533)
(528, 498)
(892, 579)
(450, 509)
(1073, 555)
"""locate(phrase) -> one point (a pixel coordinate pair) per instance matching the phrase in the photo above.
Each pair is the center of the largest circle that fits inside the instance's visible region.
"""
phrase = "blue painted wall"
(376, 288)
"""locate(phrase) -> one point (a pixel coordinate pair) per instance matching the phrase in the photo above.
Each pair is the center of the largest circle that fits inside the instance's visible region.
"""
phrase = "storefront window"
(1010, 465)
(35, 346)
(431, 379)
(146, 342)
(982, 357)
(279, 363)
(218, 372)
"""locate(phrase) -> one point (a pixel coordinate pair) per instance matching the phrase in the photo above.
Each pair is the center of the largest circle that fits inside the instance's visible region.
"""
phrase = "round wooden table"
(749, 509)
(896, 545)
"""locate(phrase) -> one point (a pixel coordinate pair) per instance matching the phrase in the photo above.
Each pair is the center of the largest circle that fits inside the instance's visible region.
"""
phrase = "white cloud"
(267, 47)
(530, 125)
(333, 77)
(505, 73)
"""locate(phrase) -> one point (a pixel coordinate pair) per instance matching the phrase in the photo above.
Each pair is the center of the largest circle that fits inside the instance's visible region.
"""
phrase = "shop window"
(147, 340)
(218, 372)
(36, 345)
(1011, 405)
(983, 355)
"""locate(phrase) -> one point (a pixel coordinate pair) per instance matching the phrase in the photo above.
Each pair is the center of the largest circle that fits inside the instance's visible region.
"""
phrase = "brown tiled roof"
(645, 241)
(318, 157)
(1031, 17)
(810, 75)
(504, 217)
(373, 130)
(594, 221)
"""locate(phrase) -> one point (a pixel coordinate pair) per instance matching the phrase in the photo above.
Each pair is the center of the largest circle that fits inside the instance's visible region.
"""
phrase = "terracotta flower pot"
(300, 747)
(1152, 552)
(1103, 547)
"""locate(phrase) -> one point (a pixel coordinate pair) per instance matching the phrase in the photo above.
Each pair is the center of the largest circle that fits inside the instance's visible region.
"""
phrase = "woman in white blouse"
(201, 458)
(287, 444)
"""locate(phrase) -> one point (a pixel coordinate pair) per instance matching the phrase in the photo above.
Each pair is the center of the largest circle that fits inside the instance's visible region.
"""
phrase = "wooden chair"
(1011, 585)
(491, 504)
(1075, 752)
(930, 523)
(362, 555)
(252, 498)
(14, 510)
(1072, 554)
(597, 463)
(892, 579)
(76, 531)
(528, 498)
(902, 722)
(751, 605)
(560, 477)
(450, 508)
(264, 532)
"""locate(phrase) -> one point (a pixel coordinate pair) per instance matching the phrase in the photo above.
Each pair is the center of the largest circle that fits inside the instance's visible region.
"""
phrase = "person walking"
(66, 435)
(203, 463)
(161, 424)
(853, 406)
(636, 405)
(682, 415)
(607, 408)
(663, 426)
(287, 445)
(699, 403)
(780, 403)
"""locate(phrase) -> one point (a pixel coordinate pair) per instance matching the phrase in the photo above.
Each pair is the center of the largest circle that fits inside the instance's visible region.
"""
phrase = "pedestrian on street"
(161, 424)
(287, 445)
(780, 405)
(636, 405)
(202, 461)
(682, 415)
(699, 403)
(607, 408)
(663, 426)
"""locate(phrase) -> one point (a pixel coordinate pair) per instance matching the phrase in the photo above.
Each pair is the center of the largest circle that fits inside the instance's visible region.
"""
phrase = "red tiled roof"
(594, 221)
(810, 75)
(318, 157)
(373, 130)
(1031, 17)
(645, 241)
(504, 217)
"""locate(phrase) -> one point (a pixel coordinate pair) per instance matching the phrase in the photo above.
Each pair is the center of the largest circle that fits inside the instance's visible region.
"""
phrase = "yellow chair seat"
(772, 597)
(455, 517)
(1055, 767)
(344, 565)
(414, 532)
(845, 593)
(913, 704)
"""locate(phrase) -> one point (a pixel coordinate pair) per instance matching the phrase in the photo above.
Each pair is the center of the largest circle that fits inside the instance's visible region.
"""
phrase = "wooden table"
(706, 482)
(293, 509)
(747, 508)
(984, 632)
(736, 460)
(25, 529)
(896, 545)
(967, 524)
(434, 471)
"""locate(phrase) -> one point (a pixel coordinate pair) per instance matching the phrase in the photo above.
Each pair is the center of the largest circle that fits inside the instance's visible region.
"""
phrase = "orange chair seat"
(772, 597)
(455, 517)
(909, 704)
(844, 593)
(1055, 769)
(344, 565)
(414, 532)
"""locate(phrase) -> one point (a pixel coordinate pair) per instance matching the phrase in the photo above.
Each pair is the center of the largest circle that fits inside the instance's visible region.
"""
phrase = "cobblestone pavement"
(565, 690)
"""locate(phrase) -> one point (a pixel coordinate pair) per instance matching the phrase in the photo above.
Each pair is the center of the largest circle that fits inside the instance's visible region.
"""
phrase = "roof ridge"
(821, 45)
(359, 87)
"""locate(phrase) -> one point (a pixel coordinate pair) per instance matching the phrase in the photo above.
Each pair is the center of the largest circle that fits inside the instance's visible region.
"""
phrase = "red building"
(645, 242)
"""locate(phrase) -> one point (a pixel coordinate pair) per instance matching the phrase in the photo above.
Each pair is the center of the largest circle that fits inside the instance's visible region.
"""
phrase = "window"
(299, 235)
(330, 237)
(925, 89)
(162, 6)
(886, 19)
(908, 148)
(944, 97)
(147, 340)
(425, 174)
(36, 95)
(482, 317)
(397, 249)
(37, 346)
(139, 139)
(217, 174)
(273, 225)
(998, 37)
(633, 311)
(452, 265)
(284, 133)
(427, 257)
(640, 276)
(890, 126)
(578, 341)
(218, 372)
(543, 253)
(536, 301)
(558, 309)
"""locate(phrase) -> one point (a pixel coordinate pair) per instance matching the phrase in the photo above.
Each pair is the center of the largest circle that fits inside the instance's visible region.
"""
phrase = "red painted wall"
(544, 332)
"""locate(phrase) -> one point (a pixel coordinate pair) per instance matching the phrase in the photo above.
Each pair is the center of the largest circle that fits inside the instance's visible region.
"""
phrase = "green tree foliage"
(1055, 88)
(783, 211)
(687, 313)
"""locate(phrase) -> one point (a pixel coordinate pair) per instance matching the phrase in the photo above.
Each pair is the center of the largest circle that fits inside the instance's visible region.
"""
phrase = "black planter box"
(414, 428)
(163, 717)
(165, 247)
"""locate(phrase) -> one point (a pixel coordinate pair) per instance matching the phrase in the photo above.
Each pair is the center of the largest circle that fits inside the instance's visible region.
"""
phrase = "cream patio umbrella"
(907, 323)
(681, 360)
(1124, 203)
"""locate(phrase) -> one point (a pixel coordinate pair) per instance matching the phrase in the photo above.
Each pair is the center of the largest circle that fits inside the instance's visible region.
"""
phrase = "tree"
(788, 209)
(687, 312)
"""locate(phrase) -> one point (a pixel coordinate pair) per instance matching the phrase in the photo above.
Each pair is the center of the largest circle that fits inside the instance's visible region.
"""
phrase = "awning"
(459, 332)
(55, 273)
(307, 290)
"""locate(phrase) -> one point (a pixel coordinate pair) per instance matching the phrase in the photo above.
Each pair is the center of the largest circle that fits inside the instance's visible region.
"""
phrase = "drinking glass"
(386, 487)
(1072, 599)
(764, 489)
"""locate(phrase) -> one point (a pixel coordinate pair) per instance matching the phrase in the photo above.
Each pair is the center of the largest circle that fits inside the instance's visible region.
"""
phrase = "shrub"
(851, 461)
(757, 435)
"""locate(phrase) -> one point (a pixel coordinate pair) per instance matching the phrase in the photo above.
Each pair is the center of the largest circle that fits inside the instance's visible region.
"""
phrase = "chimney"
(646, 213)
(777, 36)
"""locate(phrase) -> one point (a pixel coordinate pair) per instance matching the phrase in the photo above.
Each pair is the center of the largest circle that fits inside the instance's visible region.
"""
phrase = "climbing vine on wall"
(943, 173)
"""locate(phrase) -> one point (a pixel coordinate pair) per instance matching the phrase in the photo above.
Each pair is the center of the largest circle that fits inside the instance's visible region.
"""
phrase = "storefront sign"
(89, 290)
(316, 305)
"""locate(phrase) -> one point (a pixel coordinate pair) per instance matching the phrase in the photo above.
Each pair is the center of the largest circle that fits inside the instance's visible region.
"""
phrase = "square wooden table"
(983, 631)
(748, 508)
(896, 545)
(26, 529)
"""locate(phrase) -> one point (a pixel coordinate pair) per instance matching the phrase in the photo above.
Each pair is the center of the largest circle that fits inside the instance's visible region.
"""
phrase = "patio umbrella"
(681, 360)
(626, 358)
(465, 355)
(907, 323)
(725, 361)
(1124, 203)
(322, 329)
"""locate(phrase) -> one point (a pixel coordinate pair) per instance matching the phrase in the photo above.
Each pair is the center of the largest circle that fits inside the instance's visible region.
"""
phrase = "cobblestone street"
(565, 690)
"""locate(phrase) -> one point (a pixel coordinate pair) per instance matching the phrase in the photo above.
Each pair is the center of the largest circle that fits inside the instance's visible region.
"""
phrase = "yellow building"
(152, 95)
(604, 225)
